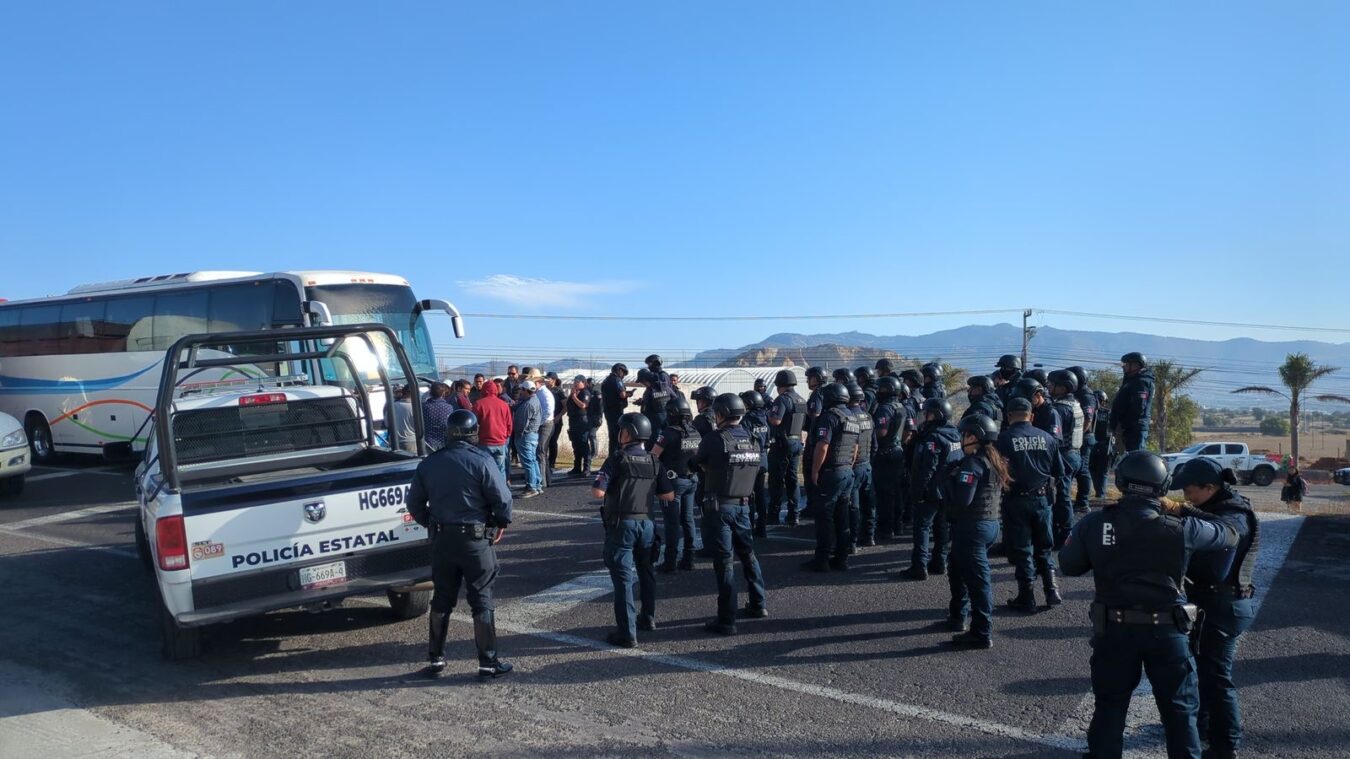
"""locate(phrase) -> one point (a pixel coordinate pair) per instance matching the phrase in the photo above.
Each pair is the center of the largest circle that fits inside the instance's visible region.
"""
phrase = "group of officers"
(880, 451)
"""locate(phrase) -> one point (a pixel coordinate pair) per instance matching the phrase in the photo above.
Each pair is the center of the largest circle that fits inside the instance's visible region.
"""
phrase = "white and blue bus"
(80, 370)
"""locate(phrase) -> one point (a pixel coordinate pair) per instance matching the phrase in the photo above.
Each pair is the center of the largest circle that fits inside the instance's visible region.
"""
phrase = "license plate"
(323, 576)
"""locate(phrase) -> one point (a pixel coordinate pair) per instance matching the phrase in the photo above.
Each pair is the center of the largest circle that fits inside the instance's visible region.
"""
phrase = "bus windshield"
(390, 305)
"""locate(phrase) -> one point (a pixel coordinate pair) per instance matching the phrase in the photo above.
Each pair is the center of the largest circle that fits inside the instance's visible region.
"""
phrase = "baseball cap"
(1197, 472)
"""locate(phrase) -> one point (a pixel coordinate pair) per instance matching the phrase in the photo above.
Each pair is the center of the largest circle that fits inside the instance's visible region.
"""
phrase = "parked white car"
(15, 458)
(1250, 469)
(1342, 476)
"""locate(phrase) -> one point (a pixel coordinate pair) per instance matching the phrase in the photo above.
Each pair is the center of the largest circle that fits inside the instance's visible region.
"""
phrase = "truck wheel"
(39, 438)
(143, 546)
(409, 605)
(178, 642)
(1263, 475)
(12, 485)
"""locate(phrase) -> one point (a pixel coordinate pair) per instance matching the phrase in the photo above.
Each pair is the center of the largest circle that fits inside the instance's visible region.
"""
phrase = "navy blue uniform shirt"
(459, 484)
(1032, 454)
(606, 477)
(1130, 409)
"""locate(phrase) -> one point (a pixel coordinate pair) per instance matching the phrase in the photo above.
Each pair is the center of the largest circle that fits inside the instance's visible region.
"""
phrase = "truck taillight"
(262, 399)
(171, 542)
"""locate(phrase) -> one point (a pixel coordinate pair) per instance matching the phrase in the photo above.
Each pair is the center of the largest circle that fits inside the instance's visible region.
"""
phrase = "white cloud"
(532, 291)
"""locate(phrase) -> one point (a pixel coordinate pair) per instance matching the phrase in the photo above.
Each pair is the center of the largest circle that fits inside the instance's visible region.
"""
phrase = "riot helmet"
(462, 425)
(1080, 374)
(982, 427)
(863, 375)
(884, 365)
(729, 406)
(1142, 473)
(855, 393)
(753, 400)
(653, 362)
(1009, 363)
(932, 371)
(834, 394)
(940, 407)
(679, 408)
(1063, 377)
(785, 378)
(888, 386)
(637, 425)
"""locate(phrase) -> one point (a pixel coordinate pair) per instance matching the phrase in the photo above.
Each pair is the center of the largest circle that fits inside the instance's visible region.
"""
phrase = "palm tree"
(1168, 377)
(1298, 372)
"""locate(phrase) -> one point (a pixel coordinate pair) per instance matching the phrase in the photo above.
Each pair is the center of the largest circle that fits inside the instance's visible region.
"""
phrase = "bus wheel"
(39, 438)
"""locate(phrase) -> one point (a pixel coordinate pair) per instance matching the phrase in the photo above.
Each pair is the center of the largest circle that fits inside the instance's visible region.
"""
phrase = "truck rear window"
(231, 432)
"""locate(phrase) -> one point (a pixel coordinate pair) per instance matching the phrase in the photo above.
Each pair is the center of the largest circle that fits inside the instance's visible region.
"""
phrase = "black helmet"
(1134, 357)
(653, 362)
(729, 406)
(645, 375)
(753, 400)
(834, 394)
(905, 392)
(1027, 388)
(678, 408)
(842, 375)
(855, 393)
(863, 375)
(911, 375)
(1039, 375)
(462, 425)
(759, 382)
(884, 365)
(619, 368)
(888, 386)
(785, 378)
(1064, 377)
(639, 426)
(580, 378)
(1142, 473)
(1101, 396)
(938, 406)
(982, 427)
(815, 372)
(932, 371)
(982, 382)
(1008, 361)
(704, 394)
(1080, 374)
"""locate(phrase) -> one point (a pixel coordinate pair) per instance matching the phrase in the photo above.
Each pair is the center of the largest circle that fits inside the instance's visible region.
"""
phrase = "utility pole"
(1027, 332)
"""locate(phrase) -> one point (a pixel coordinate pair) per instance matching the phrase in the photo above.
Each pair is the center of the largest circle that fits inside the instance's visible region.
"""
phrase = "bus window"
(178, 314)
(286, 305)
(235, 308)
(40, 327)
(126, 325)
(10, 339)
(80, 326)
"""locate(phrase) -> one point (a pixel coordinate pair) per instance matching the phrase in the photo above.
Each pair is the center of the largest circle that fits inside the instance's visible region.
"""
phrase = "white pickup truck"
(1250, 469)
(283, 488)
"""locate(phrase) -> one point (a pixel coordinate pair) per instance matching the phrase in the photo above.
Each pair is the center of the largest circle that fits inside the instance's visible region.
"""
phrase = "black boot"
(437, 628)
(485, 637)
(1026, 598)
(1048, 584)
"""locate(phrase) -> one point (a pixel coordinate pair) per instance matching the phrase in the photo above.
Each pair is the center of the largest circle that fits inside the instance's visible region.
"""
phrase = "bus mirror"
(119, 452)
(320, 315)
(456, 321)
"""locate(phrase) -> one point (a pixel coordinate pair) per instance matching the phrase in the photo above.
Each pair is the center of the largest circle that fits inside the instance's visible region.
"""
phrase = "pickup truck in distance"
(1250, 469)
(272, 478)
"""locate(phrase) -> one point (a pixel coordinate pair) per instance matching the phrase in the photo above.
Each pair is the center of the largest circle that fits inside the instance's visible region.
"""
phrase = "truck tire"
(1263, 475)
(143, 546)
(12, 485)
(409, 605)
(39, 438)
(177, 643)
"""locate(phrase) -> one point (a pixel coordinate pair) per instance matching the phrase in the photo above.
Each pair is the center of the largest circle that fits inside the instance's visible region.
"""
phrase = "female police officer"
(972, 495)
(1221, 585)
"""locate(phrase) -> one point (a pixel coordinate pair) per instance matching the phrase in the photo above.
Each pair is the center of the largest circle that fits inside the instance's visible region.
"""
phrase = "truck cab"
(272, 479)
(1250, 469)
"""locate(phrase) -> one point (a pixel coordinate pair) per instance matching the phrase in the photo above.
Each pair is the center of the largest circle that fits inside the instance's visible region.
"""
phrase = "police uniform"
(972, 496)
(730, 461)
(891, 422)
(1102, 449)
(863, 501)
(613, 397)
(814, 408)
(936, 445)
(787, 418)
(1028, 537)
(630, 479)
(1087, 401)
(1131, 408)
(1072, 425)
(460, 496)
(579, 430)
(1138, 556)
(595, 418)
(756, 423)
(1221, 585)
(655, 396)
(837, 428)
(679, 442)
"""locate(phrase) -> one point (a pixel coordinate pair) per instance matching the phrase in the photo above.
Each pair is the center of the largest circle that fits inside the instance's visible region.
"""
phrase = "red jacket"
(494, 417)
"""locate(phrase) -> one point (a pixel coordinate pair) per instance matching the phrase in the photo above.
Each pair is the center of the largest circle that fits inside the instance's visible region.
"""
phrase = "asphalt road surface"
(848, 664)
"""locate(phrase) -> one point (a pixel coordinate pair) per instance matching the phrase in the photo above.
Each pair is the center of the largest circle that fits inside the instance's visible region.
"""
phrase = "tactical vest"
(865, 434)
(1071, 416)
(890, 443)
(846, 437)
(758, 427)
(704, 423)
(794, 421)
(733, 473)
(987, 495)
(1244, 562)
(1088, 402)
(659, 392)
(635, 479)
(1138, 558)
(677, 459)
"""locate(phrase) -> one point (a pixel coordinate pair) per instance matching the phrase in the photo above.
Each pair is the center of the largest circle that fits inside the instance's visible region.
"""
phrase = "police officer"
(973, 492)
(703, 400)
(1009, 368)
(1028, 537)
(1102, 451)
(913, 403)
(815, 382)
(936, 445)
(787, 419)
(657, 393)
(863, 376)
(756, 422)
(762, 388)
(595, 419)
(614, 395)
(674, 447)
(891, 424)
(842, 376)
(1140, 618)
(578, 404)
(1043, 413)
(626, 484)
(932, 381)
(730, 461)
(1072, 423)
(863, 502)
(1087, 400)
(884, 367)
(1221, 585)
(832, 460)
(1133, 404)
(459, 495)
(983, 399)
(914, 382)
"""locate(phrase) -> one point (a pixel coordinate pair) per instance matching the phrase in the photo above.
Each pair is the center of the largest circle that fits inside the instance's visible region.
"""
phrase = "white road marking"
(534, 608)
(128, 553)
(68, 516)
(581, 517)
(1143, 731)
(68, 473)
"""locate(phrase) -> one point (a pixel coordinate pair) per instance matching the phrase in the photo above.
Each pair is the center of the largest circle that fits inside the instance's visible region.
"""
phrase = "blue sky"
(1186, 160)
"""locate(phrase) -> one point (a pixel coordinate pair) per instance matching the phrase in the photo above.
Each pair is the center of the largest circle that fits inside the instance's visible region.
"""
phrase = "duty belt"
(1132, 617)
(1022, 493)
(1246, 591)
(475, 531)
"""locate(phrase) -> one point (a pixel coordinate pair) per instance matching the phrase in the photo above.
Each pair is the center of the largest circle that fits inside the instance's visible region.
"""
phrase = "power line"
(788, 317)
(1199, 322)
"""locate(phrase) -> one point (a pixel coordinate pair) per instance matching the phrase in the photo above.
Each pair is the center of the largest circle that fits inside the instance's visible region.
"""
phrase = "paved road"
(847, 665)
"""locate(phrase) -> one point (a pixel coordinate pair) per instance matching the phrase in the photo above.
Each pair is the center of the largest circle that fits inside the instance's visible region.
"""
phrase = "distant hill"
(498, 368)
(831, 354)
